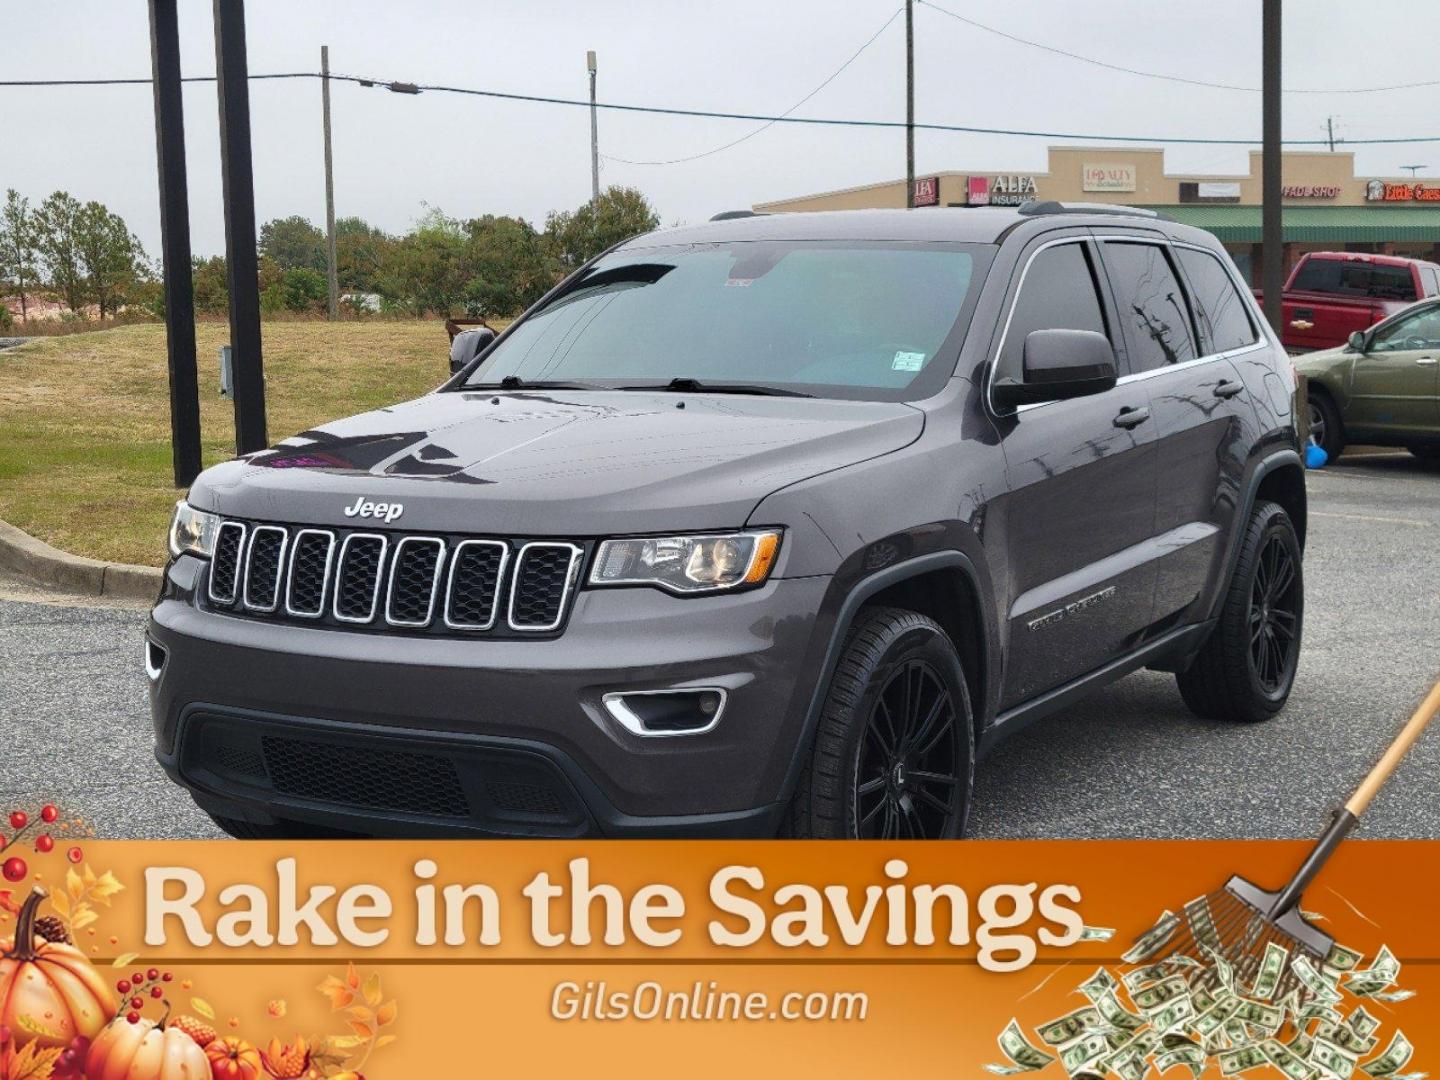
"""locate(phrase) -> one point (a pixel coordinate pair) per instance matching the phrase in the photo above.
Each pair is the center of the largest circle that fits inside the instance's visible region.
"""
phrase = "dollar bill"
(1154, 939)
(1191, 1056)
(1162, 993)
(1378, 976)
(1342, 959)
(1023, 1056)
(1083, 1052)
(1173, 1015)
(1097, 933)
(1347, 1038)
(1361, 1022)
(1242, 1058)
(1272, 966)
(1391, 996)
(1149, 973)
(1115, 1014)
(1396, 1056)
(1102, 982)
(1064, 1029)
(1267, 1017)
(1287, 1061)
(1128, 1064)
(1223, 971)
(1213, 1019)
(1302, 1044)
(1313, 981)
(1335, 1060)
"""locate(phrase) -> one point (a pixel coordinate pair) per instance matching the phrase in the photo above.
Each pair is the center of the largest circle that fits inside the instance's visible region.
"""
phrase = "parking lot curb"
(37, 561)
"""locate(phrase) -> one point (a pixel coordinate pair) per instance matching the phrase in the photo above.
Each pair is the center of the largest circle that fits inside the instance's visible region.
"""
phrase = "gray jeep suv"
(774, 524)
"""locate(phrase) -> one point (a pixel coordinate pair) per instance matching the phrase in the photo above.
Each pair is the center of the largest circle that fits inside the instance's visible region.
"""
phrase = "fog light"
(685, 711)
(154, 661)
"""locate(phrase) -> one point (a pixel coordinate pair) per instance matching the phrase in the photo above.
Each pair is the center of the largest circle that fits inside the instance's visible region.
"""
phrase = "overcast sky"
(470, 156)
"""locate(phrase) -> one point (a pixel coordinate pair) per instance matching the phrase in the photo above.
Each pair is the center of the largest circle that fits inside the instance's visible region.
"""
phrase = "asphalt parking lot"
(1129, 762)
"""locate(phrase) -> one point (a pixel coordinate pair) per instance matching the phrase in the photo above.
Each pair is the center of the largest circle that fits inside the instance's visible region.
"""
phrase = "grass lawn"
(85, 418)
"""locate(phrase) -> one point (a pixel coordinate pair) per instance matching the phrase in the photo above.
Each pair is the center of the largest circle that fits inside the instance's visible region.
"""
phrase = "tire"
(895, 665)
(277, 830)
(1326, 427)
(1242, 673)
(1426, 453)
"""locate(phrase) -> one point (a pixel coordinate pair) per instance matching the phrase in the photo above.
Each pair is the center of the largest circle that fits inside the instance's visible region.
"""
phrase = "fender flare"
(862, 591)
(1278, 460)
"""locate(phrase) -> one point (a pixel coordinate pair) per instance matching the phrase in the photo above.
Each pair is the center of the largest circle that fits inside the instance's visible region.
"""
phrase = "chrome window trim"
(499, 584)
(571, 572)
(614, 703)
(379, 577)
(239, 564)
(324, 578)
(435, 579)
(1262, 341)
(279, 566)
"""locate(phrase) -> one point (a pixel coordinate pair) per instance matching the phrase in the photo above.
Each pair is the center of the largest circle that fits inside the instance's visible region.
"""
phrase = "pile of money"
(1199, 1011)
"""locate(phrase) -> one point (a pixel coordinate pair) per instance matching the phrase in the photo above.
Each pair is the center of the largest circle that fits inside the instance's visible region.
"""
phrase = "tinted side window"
(1318, 275)
(1152, 305)
(1058, 293)
(1219, 306)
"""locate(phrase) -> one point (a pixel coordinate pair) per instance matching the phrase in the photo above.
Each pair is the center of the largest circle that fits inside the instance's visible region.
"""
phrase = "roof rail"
(730, 215)
(1050, 206)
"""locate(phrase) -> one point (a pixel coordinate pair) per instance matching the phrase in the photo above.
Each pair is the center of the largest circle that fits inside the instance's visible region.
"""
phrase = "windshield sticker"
(908, 361)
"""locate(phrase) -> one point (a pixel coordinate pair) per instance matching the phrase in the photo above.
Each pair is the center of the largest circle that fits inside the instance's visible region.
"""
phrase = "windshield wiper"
(695, 386)
(514, 382)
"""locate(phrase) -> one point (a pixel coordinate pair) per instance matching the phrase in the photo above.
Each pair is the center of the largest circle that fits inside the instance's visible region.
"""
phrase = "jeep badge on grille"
(385, 511)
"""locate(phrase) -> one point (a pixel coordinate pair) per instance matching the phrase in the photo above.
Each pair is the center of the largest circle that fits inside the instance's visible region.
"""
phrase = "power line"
(771, 123)
(657, 110)
(147, 82)
(1159, 75)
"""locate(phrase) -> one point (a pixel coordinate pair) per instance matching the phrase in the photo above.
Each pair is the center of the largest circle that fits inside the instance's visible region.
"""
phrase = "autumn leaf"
(339, 994)
(365, 1031)
(105, 887)
(360, 1012)
(372, 989)
(277, 1008)
(352, 977)
(343, 1042)
(124, 959)
(88, 876)
(386, 1013)
(203, 1007)
(35, 1027)
(384, 1040)
(84, 915)
(33, 1063)
(59, 901)
(73, 885)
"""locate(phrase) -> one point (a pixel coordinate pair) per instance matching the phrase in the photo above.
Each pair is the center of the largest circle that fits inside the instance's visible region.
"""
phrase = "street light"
(1414, 169)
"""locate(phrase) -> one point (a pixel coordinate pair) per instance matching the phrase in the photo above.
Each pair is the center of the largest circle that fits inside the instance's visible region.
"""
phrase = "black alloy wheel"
(908, 772)
(1274, 617)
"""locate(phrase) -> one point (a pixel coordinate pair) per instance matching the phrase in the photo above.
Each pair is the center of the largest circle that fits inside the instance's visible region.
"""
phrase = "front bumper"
(429, 728)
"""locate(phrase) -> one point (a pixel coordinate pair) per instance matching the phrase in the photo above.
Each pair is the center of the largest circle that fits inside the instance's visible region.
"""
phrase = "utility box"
(227, 372)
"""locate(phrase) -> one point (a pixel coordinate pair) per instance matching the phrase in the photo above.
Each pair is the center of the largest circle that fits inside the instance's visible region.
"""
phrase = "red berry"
(19, 819)
(133, 1017)
(138, 978)
(137, 1003)
(49, 813)
(123, 986)
(15, 869)
(44, 843)
(152, 974)
(75, 854)
(166, 977)
(156, 992)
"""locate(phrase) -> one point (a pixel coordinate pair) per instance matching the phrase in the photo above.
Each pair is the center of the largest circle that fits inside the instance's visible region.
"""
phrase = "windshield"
(832, 318)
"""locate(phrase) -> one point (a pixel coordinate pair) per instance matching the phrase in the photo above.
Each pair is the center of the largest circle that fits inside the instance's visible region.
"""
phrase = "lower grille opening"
(374, 778)
(524, 798)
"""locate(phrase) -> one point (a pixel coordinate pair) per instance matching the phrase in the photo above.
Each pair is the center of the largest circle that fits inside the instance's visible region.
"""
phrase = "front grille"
(452, 585)
(377, 779)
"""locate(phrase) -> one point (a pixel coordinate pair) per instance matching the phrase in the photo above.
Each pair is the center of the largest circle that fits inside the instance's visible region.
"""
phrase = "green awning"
(1315, 224)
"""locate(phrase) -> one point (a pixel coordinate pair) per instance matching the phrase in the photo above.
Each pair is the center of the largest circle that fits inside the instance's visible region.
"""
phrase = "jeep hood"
(557, 463)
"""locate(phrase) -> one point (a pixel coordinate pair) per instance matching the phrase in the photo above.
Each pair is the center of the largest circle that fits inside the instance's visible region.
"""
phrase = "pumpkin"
(49, 984)
(145, 1050)
(233, 1059)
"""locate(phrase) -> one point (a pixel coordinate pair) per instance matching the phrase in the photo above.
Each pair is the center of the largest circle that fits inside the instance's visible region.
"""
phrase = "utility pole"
(332, 276)
(1330, 132)
(232, 82)
(1272, 231)
(910, 104)
(594, 130)
(175, 242)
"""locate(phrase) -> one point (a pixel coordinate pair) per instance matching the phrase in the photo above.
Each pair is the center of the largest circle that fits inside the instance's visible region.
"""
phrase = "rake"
(1239, 921)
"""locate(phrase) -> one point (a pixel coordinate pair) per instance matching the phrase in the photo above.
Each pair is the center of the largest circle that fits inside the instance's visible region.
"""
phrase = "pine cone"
(52, 929)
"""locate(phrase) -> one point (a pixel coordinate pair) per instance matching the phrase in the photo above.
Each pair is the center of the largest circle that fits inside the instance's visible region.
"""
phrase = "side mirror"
(1356, 340)
(467, 345)
(1060, 364)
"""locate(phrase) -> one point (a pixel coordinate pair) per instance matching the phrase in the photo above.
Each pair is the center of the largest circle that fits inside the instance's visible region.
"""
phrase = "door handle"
(1132, 417)
(1228, 388)
(1427, 361)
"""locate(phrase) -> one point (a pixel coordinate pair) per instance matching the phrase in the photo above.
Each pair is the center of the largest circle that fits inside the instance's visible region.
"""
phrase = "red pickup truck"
(1332, 293)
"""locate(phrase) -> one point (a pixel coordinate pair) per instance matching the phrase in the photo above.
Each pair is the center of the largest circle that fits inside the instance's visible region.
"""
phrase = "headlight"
(192, 531)
(688, 564)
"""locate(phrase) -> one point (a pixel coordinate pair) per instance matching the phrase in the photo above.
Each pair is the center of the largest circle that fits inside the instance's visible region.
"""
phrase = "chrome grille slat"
(469, 588)
(415, 573)
(349, 589)
(227, 562)
(533, 587)
(302, 572)
(264, 568)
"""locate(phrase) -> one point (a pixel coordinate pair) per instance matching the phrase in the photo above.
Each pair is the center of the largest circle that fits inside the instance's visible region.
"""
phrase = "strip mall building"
(1327, 207)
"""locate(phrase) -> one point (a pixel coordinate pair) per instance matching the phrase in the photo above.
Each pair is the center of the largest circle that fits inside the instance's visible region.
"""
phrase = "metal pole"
(1272, 233)
(332, 276)
(910, 103)
(594, 130)
(1330, 132)
(236, 170)
(175, 242)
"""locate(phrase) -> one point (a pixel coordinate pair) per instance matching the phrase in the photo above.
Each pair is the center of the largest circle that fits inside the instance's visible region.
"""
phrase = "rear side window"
(1152, 306)
(1058, 293)
(1355, 278)
(1220, 309)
